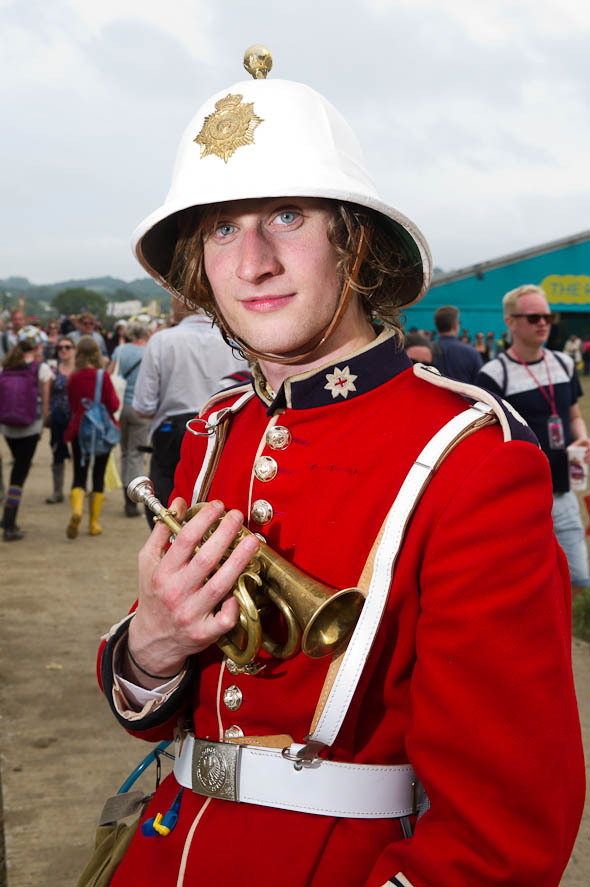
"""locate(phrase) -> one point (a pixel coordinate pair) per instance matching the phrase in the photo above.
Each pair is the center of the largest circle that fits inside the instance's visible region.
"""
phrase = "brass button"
(262, 512)
(278, 437)
(233, 732)
(232, 697)
(265, 468)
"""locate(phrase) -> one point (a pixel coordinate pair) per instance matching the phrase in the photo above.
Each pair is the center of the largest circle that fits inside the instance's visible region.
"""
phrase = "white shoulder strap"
(473, 392)
(353, 660)
(209, 427)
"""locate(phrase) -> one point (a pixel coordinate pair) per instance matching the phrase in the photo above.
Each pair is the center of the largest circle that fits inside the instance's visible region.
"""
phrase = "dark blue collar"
(351, 376)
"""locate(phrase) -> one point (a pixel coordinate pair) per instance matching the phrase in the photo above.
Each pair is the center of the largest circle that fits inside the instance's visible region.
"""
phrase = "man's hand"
(177, 613)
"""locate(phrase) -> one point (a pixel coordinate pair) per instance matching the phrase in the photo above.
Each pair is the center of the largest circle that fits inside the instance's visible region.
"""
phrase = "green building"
(561, 268)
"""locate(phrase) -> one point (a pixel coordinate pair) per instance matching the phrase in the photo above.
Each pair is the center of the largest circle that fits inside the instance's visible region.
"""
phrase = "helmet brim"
(154, 240)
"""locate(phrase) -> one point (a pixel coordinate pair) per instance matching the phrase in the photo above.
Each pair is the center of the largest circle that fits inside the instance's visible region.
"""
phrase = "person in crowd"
(87, 327)
(543, 387)
(22, 440)
(419, 348)
(586, 354)
(490, 345)
(59, 416)
(430, 727)
(481, 346)
(504, 343)
(81, 387)
(117, 336)
(50, 346)
(9, 337)
(68, 325)
(573, 347)
(2, 486)
(452, 358)
(134, 428)
(182, 367)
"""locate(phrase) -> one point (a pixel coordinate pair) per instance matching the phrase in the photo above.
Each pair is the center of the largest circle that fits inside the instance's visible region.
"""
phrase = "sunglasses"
(535, 318)
(64, 347)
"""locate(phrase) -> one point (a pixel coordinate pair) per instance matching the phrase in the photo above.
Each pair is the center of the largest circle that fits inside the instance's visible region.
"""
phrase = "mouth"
(263, 304)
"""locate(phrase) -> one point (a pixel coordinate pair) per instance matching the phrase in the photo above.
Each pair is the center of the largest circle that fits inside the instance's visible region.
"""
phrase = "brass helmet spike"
(258, 61)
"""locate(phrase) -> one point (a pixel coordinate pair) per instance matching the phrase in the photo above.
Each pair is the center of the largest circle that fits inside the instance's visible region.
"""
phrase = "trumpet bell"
(332, 623)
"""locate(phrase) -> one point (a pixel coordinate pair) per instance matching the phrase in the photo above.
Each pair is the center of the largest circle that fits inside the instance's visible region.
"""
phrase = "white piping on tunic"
(188, 842)
(219, 682)
(193, 828)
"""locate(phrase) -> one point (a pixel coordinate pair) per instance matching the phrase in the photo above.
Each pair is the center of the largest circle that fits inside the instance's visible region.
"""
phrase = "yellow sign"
(567, 289)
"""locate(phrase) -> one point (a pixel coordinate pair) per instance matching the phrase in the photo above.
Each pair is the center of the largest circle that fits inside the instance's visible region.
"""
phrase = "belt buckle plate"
(216, 769)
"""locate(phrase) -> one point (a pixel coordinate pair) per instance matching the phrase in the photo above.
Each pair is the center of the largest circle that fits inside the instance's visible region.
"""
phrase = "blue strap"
(149, 759)
(98, 387)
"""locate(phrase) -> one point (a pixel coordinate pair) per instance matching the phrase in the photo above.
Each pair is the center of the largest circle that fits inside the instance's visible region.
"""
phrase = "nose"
(258, 258)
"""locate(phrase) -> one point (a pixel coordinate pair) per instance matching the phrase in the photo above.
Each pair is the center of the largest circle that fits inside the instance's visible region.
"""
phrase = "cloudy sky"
(473, 116)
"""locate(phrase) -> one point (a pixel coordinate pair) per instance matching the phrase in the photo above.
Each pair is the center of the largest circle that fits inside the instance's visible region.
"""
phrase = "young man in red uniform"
(441, 746)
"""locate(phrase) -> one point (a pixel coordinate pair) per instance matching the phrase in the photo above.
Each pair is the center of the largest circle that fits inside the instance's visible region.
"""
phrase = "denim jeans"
(570, 533)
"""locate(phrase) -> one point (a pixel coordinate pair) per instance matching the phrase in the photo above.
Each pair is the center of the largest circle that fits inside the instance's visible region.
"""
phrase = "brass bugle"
(315, 615)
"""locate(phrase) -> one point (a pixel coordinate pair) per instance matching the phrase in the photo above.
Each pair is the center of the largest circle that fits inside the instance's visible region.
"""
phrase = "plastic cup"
(578, 468)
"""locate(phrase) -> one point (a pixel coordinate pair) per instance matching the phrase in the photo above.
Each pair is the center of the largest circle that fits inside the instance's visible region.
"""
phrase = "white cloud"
(186, 21)
(473, 116)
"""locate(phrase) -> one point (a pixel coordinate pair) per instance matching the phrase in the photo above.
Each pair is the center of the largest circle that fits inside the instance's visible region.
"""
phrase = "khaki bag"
(112, 838)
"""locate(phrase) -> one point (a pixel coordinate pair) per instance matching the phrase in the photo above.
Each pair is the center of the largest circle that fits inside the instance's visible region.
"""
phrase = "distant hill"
(143, 288)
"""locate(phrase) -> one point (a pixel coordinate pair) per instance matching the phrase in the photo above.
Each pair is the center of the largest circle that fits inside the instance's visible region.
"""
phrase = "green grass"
(581, 615)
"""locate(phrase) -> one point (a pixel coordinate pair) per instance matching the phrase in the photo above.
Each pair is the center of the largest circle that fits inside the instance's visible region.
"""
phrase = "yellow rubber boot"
(77, 499)
(94, 527)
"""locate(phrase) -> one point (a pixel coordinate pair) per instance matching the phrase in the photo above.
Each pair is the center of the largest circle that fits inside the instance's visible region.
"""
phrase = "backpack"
(98, 433)
(19, 391)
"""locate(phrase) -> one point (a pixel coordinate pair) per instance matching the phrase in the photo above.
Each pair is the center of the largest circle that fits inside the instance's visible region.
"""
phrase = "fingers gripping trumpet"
(316, 616)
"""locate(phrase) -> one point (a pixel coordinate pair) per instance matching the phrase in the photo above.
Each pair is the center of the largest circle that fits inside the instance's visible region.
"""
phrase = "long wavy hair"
(15, 359)
(384, 275)
(88, 354)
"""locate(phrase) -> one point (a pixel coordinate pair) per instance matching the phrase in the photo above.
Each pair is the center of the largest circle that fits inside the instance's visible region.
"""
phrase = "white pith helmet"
(271, 138)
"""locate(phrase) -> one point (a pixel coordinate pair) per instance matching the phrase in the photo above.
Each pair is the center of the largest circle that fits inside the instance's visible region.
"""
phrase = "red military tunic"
(469, 678)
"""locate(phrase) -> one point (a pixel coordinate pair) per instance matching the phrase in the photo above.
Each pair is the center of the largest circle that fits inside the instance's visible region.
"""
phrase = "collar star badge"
(340, 382)
(230, 127)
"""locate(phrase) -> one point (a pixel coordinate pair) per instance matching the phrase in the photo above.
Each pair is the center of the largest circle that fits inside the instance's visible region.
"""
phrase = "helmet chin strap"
(309, 348)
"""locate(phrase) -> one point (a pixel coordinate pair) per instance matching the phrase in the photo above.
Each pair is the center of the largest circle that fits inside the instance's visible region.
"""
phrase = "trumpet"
(319, 618)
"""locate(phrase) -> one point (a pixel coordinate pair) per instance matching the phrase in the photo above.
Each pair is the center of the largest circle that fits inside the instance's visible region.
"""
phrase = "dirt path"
(62, 752)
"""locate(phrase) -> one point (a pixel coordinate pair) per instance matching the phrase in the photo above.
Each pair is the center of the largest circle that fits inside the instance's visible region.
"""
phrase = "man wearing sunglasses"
(543, 386)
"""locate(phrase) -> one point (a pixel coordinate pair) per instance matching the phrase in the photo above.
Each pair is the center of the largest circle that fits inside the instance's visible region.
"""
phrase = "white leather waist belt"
(255, 775)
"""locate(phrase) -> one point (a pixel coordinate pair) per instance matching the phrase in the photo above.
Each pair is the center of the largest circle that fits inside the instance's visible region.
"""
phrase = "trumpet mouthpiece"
(140, 488)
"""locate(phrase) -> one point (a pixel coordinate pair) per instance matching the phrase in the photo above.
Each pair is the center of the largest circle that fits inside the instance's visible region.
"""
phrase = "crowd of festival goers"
(64, 357)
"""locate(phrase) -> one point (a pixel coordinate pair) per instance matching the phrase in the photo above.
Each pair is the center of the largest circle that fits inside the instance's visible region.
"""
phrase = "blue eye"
(287, 217)
(225, 229)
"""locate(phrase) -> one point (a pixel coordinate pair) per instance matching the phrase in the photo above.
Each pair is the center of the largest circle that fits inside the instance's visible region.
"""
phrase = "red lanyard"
(550, 398)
